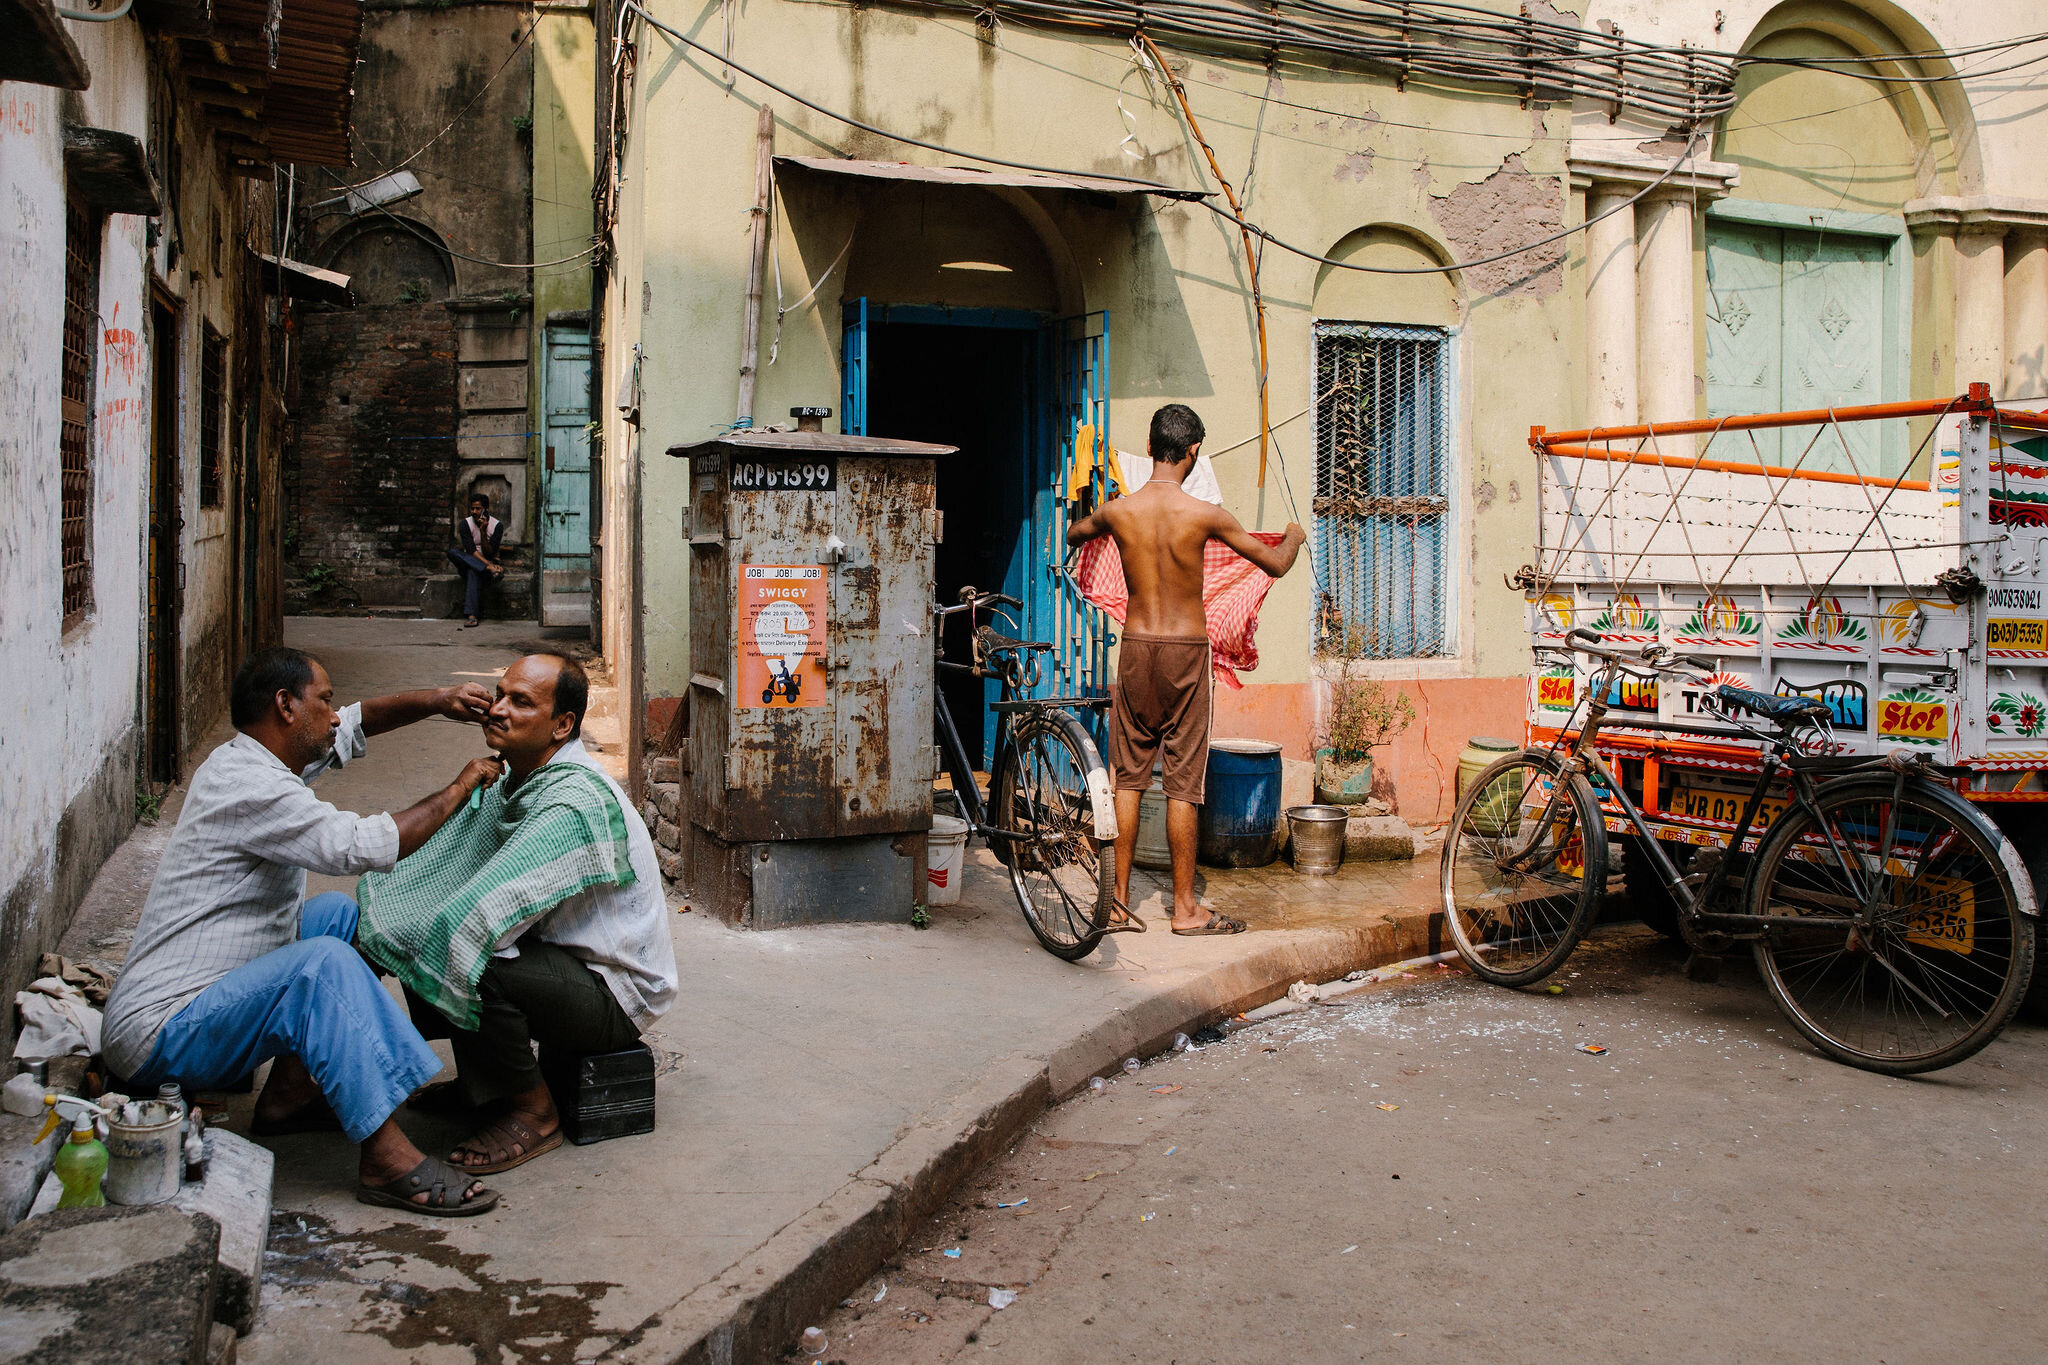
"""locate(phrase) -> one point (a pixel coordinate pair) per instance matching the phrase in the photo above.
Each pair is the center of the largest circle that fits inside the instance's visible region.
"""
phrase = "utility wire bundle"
(1415, 40)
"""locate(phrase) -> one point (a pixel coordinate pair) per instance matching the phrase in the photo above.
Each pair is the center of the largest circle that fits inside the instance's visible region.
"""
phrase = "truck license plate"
(1944, 915)
(1704, 803)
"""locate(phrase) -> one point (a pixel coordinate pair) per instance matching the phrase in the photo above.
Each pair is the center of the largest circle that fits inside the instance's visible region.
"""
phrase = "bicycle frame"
(1584, 759)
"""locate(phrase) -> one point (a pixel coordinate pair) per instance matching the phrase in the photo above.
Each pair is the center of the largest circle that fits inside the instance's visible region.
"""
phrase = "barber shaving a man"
(536, 915)
(232, 966)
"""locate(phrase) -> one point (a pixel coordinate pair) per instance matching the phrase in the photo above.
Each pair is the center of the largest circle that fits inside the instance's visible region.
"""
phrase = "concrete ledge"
(23, 1165)
(1378, 838)
(755, 1310)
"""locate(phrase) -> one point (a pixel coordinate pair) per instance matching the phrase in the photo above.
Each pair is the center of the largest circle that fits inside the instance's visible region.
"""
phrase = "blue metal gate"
(1078, 364)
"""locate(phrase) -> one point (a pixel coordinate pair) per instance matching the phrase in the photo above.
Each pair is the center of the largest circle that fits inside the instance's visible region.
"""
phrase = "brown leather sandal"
(500, 1137)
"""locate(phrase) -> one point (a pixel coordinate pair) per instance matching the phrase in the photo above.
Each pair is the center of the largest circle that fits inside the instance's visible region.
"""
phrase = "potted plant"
(1364, 714)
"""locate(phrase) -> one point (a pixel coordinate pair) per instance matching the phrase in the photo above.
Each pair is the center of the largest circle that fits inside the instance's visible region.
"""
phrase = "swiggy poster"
(782, 635)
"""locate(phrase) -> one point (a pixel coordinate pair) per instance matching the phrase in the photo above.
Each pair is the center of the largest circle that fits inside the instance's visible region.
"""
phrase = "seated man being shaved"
(536, 916)
(232, 966)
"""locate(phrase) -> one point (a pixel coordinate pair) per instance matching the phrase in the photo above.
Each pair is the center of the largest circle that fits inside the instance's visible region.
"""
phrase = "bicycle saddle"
(1776, 708)
(990, 640)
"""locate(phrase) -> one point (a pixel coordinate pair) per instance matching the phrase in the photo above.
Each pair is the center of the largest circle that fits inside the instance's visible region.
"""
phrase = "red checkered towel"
(1232, 589)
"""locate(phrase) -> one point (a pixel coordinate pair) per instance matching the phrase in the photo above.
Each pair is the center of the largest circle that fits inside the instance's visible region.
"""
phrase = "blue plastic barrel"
(1240, 824)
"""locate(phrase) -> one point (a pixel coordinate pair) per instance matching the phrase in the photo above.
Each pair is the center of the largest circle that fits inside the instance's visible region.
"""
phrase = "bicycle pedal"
(1703, 967)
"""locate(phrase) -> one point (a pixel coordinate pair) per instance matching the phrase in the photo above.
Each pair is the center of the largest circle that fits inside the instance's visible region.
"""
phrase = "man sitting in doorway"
(478, 554)
(538, 917)
(1161, 696)
(231, 966)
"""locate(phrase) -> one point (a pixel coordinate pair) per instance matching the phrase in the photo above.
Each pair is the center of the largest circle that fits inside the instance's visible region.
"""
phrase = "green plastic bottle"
(81, 1164)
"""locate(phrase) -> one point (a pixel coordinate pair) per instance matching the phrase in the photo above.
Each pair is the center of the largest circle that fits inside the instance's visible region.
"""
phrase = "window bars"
(74, 437)
(212, 399)
(1382, 500)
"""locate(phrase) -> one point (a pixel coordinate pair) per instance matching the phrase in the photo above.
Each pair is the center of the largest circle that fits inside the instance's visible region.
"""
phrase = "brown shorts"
(1161, 699)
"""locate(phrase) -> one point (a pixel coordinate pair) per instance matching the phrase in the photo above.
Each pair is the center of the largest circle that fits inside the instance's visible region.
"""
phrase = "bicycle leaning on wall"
(1050, 816)
(1892, 923)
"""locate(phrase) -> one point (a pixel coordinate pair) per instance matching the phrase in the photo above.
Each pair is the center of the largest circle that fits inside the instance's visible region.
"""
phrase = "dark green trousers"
(544, 995)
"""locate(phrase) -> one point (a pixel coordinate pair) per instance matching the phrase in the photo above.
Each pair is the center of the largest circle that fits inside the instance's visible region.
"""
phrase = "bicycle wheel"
(1524, 865)
(1903, 948)
(1064, 876)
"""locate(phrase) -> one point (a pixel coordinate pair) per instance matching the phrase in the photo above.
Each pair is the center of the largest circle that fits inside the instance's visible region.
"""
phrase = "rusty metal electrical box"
(808, 769)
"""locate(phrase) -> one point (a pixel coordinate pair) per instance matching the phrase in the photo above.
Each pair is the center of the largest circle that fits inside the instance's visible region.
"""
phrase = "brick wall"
(369, 498)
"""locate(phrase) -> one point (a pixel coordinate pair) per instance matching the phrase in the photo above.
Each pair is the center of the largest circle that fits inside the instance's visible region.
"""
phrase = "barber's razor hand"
(479, 773)
(465, 702)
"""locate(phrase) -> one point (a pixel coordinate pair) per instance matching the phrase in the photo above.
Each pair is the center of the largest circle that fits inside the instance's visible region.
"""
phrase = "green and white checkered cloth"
(498, 863)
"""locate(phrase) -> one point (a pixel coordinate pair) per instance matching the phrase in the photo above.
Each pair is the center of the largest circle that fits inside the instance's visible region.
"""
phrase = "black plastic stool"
(601, 1095)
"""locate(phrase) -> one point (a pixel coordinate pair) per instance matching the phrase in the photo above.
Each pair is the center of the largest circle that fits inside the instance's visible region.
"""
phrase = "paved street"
(1435, 1172)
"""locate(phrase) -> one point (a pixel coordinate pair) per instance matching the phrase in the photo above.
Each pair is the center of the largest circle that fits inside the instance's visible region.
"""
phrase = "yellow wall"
(1171, 276)
(564, 69)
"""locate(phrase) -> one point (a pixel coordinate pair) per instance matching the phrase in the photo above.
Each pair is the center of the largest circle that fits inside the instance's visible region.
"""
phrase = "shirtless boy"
(1161, 696)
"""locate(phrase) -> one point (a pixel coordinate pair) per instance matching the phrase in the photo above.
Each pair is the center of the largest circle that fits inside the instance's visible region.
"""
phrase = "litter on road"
(999, 1299)
(1592, 1049)
(1165, 1089)
(1382, 1104)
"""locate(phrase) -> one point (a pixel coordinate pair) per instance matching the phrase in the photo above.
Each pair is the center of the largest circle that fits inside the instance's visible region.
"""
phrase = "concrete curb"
(757, 1307)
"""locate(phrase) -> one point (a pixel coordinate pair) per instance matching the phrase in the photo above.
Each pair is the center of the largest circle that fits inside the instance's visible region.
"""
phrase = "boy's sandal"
(1218, 923)
(441, 1183)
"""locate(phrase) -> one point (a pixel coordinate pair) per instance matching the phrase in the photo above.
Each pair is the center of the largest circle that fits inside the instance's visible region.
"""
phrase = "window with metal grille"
(1383, 485)
(212, 398)
(74, 438)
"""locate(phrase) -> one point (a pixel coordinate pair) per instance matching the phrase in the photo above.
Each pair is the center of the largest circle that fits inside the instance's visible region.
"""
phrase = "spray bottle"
(82, 1162)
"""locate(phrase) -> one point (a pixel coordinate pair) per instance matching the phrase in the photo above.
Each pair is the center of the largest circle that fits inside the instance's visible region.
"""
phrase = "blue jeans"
(475, 573)
(316, 1000)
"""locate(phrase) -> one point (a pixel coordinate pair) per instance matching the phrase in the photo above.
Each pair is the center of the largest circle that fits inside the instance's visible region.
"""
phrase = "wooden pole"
(1251, 255)
(757, 264)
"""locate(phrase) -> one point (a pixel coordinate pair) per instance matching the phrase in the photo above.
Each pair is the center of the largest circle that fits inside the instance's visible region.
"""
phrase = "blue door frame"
(1073, 388)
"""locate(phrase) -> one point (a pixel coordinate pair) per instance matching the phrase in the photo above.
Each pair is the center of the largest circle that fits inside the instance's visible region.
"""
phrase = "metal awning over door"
(972, 176)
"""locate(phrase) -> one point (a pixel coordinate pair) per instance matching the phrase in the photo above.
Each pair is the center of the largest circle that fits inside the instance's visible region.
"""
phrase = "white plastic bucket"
(945, 860)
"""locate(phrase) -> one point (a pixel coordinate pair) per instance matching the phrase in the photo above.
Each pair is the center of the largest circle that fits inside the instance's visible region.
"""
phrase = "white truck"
(1888, 560)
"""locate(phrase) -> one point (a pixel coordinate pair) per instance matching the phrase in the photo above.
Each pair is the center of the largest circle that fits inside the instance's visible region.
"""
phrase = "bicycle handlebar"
(970, 600)
(1653, 656)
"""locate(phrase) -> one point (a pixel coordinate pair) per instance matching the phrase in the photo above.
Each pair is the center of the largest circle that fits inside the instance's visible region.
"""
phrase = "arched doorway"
(1810, 271)
(954, 333)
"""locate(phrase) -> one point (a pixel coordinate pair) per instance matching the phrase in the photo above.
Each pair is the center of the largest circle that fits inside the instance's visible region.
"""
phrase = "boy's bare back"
(1161, 532)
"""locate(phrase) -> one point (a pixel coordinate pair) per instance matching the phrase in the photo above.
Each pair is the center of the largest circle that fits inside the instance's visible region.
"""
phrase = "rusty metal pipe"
(1977, 400)
(1730, 466)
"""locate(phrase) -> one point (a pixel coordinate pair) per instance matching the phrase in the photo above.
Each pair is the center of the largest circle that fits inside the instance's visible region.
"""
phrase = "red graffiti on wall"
(17, 116)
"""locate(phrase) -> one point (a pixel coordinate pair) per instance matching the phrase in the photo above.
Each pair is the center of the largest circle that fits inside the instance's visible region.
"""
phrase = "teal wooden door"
(1745, 326)
(1795, 320)
(1834, 341)
(565, 479)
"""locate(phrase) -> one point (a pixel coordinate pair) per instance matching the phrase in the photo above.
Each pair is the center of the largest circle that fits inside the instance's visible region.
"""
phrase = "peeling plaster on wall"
(1543, 13)
(1511, 205)
(1356, 166)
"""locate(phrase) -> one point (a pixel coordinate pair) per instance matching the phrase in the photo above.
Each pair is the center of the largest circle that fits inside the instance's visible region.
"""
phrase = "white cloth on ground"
(56, 1021)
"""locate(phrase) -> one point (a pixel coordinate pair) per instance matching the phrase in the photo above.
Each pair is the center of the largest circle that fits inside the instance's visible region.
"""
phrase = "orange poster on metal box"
(782, 635)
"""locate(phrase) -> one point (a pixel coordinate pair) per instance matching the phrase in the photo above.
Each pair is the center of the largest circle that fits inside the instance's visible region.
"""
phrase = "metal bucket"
(1318, 833)
(145, 1160)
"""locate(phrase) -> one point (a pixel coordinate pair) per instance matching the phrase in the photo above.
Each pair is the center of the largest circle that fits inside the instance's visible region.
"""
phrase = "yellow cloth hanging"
(1089, 455)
